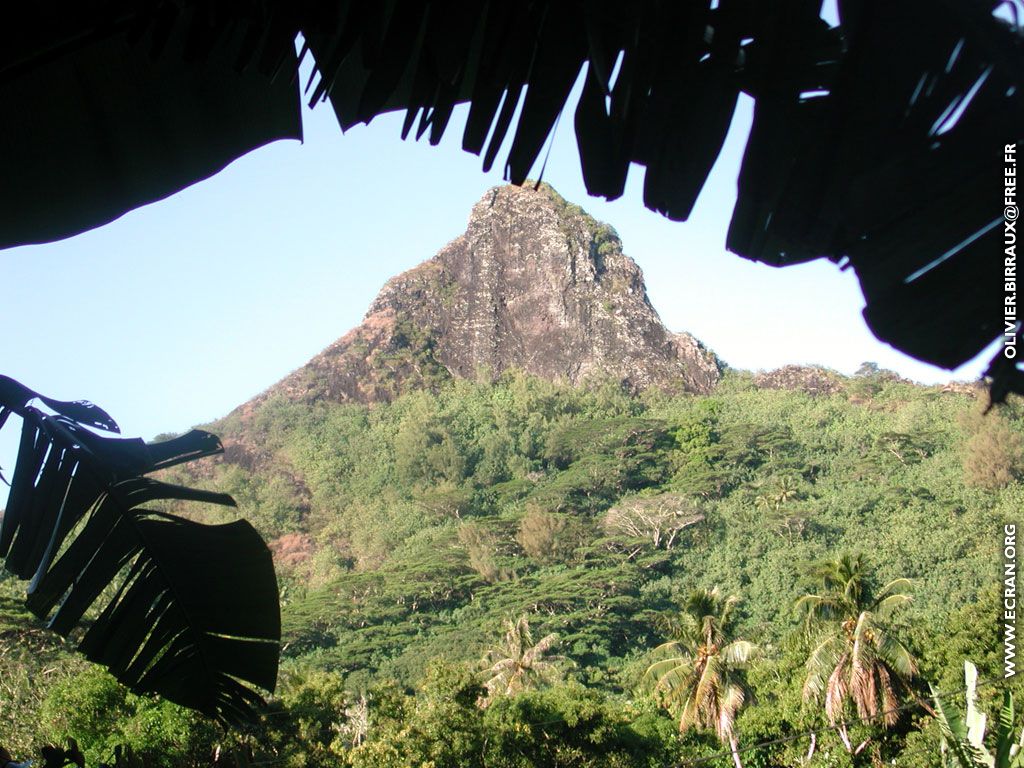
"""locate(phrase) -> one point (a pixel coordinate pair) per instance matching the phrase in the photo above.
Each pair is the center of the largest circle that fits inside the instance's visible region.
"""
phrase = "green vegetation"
(963, 737)
(701, 683)
(519, 664)
(856, 660)
(424, 546)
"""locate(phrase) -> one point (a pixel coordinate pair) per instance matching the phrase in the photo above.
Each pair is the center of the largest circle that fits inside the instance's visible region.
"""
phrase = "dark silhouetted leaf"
(195, 617)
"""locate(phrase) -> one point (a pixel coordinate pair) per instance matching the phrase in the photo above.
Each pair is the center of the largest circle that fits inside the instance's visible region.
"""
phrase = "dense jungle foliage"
(520, 573)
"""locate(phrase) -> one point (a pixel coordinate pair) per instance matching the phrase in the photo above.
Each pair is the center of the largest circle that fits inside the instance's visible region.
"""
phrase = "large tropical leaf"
(194, 612)
(1004, 736)
(962, 736)
(159, 99)
(954, 734)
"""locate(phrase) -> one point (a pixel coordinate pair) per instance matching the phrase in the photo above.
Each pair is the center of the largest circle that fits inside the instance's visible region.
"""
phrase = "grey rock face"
(812, 379)
(533, 284)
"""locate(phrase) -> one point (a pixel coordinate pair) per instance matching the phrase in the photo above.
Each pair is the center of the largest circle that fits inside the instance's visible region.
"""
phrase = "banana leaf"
(194, 615)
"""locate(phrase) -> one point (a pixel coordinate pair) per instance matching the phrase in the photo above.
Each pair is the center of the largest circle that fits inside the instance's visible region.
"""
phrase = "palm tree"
(519, 663)
(775, 502)
(855, 658)
(774, 499)
(700, 682)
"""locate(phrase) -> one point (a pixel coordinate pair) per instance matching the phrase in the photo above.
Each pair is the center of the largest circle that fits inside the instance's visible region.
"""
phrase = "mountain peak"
(534, 283)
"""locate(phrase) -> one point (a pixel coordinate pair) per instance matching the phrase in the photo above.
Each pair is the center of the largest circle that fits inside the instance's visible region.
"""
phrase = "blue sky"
(179, 311)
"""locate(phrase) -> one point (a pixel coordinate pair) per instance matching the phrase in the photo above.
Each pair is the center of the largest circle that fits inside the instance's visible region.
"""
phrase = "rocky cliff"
(534, 283)
(812, 379)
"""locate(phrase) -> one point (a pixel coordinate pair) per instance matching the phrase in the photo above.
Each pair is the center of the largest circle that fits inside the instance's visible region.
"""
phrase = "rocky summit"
(535, 284)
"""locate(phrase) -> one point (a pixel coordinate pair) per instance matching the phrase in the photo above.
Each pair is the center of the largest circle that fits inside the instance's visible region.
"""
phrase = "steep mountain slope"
(534, 284)
(414, 506)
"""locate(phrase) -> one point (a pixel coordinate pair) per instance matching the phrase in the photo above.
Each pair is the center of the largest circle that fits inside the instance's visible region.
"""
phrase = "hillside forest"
(513, 572)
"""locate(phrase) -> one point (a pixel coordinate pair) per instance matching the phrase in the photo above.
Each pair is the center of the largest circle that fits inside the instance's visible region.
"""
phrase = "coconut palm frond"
(681, 627)
(671, 677)
(535, 653)
(728, 606)
(689, 715)
(884, 607)
(730, 703)
(823, 660)
(820, 607)
(738, 653)
(673, 648)
(836, 691)
(890, 712)
(862, 683)
(895, 654)
(705, 692)
(896, 586)
(862, 667)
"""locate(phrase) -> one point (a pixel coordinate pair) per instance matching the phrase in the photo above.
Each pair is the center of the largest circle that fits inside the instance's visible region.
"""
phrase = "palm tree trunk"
(845, 737)
(735, 750)
(810, 751)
